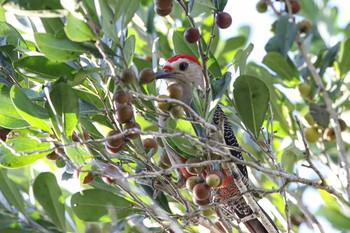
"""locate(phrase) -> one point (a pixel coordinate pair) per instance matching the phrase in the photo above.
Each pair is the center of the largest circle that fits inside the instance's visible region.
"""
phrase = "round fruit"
(162, 105)
(201, 203)
(112, 141)
(163, 4)
(88, 178)
(311, 135)
(52, 156)
(147, 75)
(194, 170)
(163, 12)
(261, 6)
(214, 178)
(309, 119)
(305, 26)
(129, 126)
(121, 97)
(304, 90)
(128, 76)
(192, 35)
(295, 6)
(177, 112)
(113, 150)
(175, 91)
(329, 134)
(164, 158)
(223, 20)
(124, 113)
(150, 143)
(191, 182)
(342, 124)
(201, 191)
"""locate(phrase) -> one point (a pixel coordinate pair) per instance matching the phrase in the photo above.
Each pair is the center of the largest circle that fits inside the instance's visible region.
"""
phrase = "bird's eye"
(183, 66)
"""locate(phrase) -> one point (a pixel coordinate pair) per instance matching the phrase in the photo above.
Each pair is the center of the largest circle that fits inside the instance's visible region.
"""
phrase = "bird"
(186, 70)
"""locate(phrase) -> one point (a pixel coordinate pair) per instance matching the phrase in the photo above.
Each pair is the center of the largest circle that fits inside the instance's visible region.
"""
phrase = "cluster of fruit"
(124, 113)
(163, 7)
(174, 91)
(314, 133)
(304, 25)
(222, 20)
(201, 182)
(261, 6)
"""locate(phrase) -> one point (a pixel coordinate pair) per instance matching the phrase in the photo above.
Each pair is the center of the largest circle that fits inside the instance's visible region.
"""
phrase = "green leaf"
(130, 7)
(219, 86)
(66, 108)
(11, 191)
(240, 58)
(160, 199)
(23, 148)
(200, 6)
(52, 25)
(107, 21)
(230, 49)
(13, 37)
(41, 68)
(220, 4)
(182, 46)
(335, 217)
(129, 49)
(285, 33)
(94, 205)
(81, 75)
(76, 30)
(49, 195)
(280, 105)
(2, 14)
(9, 117)
(283, 66)
(319, 114)
(35, 115)
(344, 61)
(57, 49)
(290, 156)
(252, 100)
(179, 143)
(328, 58)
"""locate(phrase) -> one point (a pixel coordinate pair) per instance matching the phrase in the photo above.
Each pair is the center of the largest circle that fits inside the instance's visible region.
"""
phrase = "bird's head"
(184, 70)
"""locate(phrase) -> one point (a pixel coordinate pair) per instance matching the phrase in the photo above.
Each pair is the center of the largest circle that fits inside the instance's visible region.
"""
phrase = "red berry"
(124, 113)
(223, 20)
(192, 35)
(121, 97)
(129, 126)
(201, 191)
(295, 6)
(114, 142)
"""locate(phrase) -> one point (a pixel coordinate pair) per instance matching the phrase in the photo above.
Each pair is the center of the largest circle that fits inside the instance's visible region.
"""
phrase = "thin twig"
(334, 118)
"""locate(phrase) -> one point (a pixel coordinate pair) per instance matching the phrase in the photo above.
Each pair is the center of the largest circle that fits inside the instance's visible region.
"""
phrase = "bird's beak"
(165, 74)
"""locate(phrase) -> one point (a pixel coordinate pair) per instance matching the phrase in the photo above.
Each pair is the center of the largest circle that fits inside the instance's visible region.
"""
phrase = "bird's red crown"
(187, 56)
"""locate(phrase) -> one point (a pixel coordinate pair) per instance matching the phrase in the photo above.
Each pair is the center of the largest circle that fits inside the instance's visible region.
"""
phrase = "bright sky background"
(244, 13)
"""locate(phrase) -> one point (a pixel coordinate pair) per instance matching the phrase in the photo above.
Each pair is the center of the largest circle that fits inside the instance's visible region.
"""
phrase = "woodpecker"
(186, 71)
